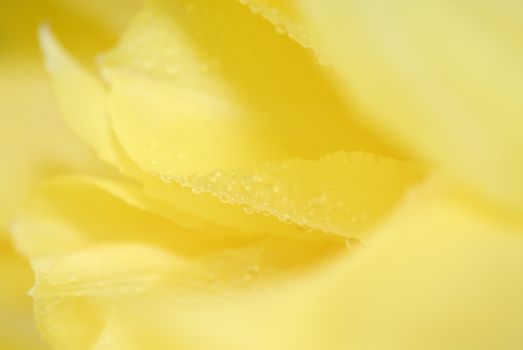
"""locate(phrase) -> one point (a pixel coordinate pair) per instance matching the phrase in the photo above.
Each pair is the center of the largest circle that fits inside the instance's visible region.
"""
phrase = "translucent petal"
(288, 18)
(77, 87)
(441, 274)
(345, 207)
(70, 288)
(190, 93)
(346, 194)
(87, 270)
(59, 219)
(80, 96)
(442, 78)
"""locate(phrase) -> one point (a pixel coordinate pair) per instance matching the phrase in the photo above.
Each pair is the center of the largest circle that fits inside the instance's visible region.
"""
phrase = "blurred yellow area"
(34, 142)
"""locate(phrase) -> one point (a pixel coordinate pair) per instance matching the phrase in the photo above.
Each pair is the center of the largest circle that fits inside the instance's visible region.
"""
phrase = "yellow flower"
(285, 175)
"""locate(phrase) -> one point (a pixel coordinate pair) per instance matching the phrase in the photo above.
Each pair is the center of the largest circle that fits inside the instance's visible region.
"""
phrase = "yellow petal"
(346, 194)
(70, 289)
(87, 26)
(48, 222)
(112, 15)
(77, 87)
(80, 96)
(441, 274)
(33, 140)
(190, 93)
(87, 270)
(346, 207)
(17, 328)
(443, 78)
(80, 296)
(288, 17)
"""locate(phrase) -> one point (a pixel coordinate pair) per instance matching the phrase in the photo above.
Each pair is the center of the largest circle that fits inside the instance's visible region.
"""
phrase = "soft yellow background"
(34, 142)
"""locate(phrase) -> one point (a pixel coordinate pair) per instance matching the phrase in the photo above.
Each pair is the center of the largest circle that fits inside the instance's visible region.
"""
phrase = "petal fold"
(443, 79)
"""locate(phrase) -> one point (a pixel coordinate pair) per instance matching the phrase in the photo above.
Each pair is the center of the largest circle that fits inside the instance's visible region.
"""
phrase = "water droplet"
(284, 217)
(319, 200)
(249, 210)
(197, 190)
(215, 176)
(166, 179)
(280, 29)
(256, 178)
